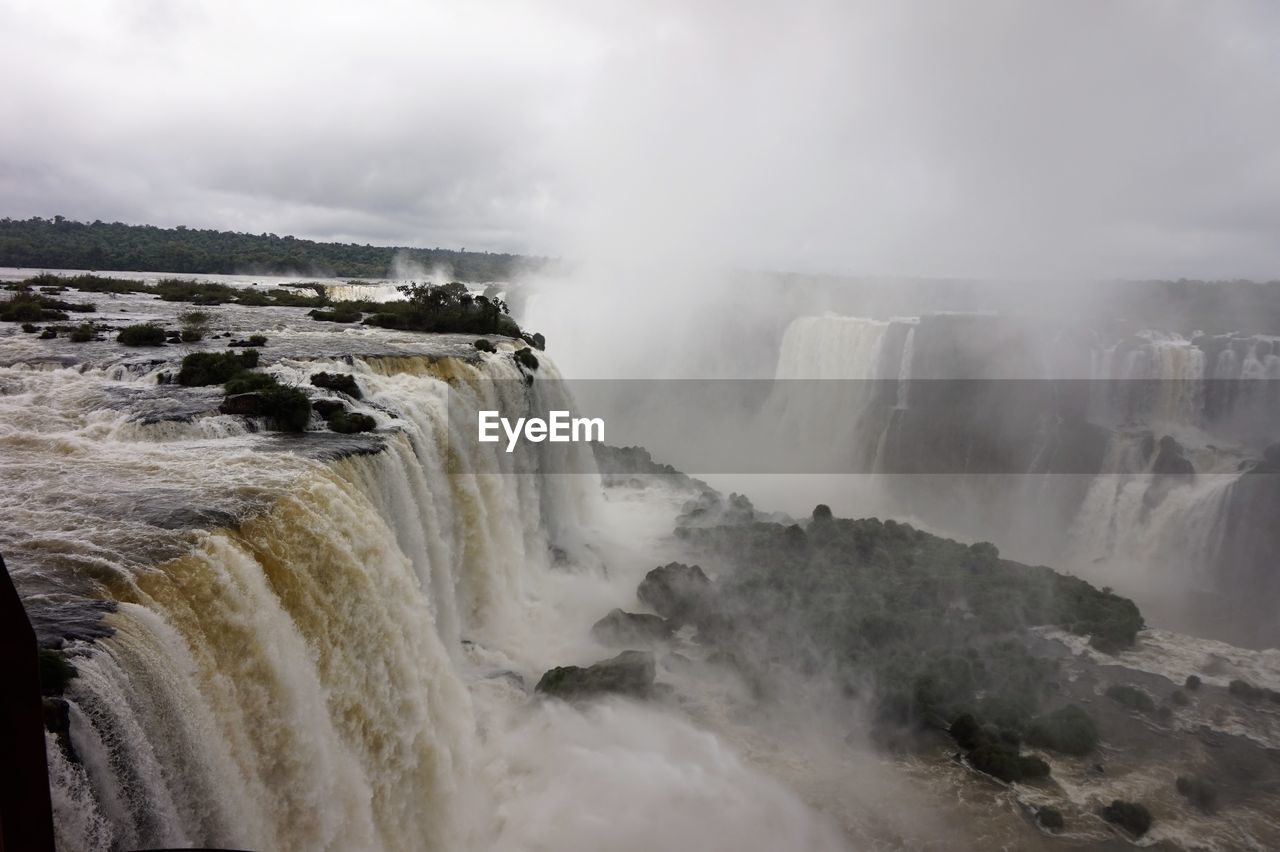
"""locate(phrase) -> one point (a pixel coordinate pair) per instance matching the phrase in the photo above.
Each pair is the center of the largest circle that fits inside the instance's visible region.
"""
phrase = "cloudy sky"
(984, 137)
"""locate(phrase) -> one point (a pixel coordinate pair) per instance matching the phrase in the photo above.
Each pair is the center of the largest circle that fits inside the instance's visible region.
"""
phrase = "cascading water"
(1120, 522)
(327, 641)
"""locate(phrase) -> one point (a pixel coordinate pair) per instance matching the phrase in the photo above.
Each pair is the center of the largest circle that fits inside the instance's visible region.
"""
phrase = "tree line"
(61, 243)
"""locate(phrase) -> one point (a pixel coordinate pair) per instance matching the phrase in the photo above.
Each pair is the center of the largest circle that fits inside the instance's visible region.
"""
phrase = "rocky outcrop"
(631, 628)
(679, 593)
(243, 404)
(630, 673)
(1171, 460)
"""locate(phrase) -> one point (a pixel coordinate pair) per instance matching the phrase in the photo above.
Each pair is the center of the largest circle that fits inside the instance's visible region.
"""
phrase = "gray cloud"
(981, 138)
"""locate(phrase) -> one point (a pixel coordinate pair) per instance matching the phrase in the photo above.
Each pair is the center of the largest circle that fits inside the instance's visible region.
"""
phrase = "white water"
(1151, 539)
(349, 667)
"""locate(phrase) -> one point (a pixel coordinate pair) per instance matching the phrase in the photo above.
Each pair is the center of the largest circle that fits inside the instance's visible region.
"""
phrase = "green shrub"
(146, 334)
(55, 671)
(1131, 697)
(195, 324)
(1192, 683)
(1130, 816)
(30, 307)
(91, 283)
(341, 313)
(196, 292)
(28, 328)
(214, 368)
(290, 408)
(82, 333)
(1247, 691)
(249, 382)
(1069, 730)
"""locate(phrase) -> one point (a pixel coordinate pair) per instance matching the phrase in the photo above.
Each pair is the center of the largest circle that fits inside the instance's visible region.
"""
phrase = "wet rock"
(244, 404)
(326, 408)
(351, 422)
(1130, 816)
(1171, 460)
(677, 592)
(525, 358)
(631, 628)
(630, 673)
(340, 382)
(485, 345)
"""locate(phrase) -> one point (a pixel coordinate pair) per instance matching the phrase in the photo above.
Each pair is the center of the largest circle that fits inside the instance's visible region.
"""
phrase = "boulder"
(1171, 459)
(677, 592)
(485, 345)
(630, 673)
(525, 358)
(340, 382)
(244, 404)
(351, 422)
(326, 408)
(631, 628)
(1130, 816)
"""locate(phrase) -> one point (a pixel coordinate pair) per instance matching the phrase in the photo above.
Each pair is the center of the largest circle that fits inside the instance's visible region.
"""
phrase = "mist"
(938, 348)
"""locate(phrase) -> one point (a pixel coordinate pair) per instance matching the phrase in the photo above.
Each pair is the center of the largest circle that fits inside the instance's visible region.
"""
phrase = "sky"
(1107, 138)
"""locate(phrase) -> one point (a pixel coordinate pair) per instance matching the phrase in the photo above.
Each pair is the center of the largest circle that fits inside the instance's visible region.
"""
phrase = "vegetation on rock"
(145, 334)
(215, 368)
(1131, 697)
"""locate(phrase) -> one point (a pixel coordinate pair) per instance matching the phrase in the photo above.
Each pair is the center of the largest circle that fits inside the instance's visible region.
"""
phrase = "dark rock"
(244, 404)
(525, 358)
(1193, 682)
(351, 422)
(1130, 816)
(340, 382)
(1050, 818)
(631, 628)
(1171, 460)
(677, 592)
(485, 345)
(630, 673)
(326, 408)
(537, 341)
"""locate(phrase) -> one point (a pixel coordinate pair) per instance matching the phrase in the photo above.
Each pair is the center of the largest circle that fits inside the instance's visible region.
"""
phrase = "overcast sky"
(1097, 137)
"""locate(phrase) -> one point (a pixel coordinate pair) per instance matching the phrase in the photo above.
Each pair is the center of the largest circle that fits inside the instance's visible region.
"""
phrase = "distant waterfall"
(292, 681)
(1120, 520)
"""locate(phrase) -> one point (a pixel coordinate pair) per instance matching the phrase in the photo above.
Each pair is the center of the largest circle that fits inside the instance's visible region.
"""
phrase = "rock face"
(631, 628)
(630, 673)
(244, 404)
(1171, 460)
(679, 593)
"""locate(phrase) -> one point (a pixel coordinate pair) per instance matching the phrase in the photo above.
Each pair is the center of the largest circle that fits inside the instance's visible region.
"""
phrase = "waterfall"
(1119, 523)
(293, 679)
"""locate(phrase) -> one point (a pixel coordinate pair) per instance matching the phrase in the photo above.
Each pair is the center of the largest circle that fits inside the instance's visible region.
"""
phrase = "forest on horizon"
(61, 243)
